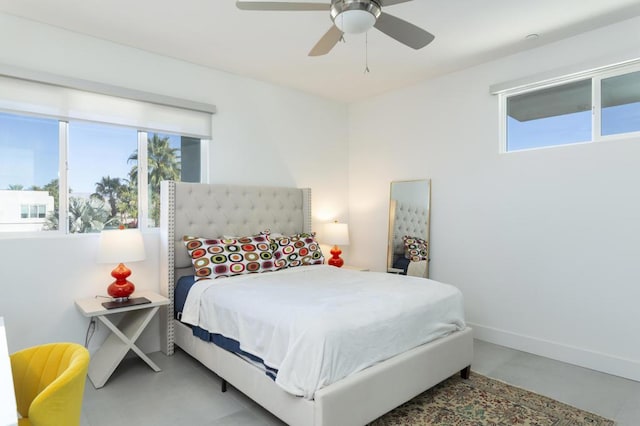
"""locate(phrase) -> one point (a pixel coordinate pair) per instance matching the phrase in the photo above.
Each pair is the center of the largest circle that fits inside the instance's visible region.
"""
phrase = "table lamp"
(336, 234)
(118, 246)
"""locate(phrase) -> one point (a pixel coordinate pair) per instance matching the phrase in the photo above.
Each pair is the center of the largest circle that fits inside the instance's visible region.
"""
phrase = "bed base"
(355, 400)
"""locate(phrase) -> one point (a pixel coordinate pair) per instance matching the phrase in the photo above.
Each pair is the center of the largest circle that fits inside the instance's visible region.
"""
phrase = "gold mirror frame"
(413, 195)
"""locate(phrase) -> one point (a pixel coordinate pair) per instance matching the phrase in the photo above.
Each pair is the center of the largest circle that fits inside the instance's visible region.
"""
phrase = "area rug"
(484, 401)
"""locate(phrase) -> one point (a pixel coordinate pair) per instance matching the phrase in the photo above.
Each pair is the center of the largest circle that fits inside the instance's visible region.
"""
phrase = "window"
(33, 211)
(28, 171)
(100, 189)
(554, 116)
(620, 104)
(169, 157)
(598, 106)
(92, 154)
(100, 183)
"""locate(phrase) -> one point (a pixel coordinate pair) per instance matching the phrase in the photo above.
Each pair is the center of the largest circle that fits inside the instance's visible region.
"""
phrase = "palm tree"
(163, 164)
(53, 188)
(87, 215)
(15, 187)
(163, 161)
(109, 188)
(84, 216)
(53, 220)
(128, 204)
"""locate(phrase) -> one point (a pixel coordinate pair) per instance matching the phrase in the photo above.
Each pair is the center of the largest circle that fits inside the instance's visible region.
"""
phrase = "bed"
(217, 210)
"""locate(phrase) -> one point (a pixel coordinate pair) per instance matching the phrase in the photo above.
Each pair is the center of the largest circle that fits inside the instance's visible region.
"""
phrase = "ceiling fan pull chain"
(366, 52)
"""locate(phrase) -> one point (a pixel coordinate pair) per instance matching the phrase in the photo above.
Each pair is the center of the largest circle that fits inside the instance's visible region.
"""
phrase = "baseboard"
(606, 363)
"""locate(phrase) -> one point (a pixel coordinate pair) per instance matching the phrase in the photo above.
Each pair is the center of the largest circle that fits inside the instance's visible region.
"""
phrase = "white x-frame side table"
(123, 335)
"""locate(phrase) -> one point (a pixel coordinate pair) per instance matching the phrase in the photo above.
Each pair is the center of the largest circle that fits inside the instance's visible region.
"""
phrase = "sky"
(97, 151)
(29, 152)
(549, 131)
(570, 128)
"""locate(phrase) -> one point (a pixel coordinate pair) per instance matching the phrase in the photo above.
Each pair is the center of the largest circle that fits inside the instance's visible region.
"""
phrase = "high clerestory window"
(592, 106)
(95, 164)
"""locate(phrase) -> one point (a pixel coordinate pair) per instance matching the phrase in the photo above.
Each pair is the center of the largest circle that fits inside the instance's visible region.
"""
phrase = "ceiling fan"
(351, 16)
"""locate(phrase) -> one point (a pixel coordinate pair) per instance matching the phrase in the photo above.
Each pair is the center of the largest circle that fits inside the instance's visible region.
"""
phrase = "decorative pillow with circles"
(295, 250)
(216, 258)
(415, 249)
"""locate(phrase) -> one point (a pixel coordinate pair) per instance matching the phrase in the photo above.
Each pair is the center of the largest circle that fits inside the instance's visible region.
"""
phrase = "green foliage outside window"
(115, 200)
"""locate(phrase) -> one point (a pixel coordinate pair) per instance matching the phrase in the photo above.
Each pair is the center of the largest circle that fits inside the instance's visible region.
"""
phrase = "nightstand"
(123, 335)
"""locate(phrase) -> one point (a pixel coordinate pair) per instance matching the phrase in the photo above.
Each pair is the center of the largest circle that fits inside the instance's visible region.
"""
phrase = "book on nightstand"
(132, 301)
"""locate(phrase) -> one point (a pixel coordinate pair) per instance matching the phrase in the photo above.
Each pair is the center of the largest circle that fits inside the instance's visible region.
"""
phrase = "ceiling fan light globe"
(355, 16)
(355, 21)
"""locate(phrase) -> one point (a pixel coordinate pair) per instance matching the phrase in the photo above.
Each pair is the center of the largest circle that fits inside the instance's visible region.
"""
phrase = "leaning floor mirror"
(409, 217)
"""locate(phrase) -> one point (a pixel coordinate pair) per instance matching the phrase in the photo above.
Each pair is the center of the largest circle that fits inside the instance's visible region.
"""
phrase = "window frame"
(30, 214)
(596, 76)
(63, 187)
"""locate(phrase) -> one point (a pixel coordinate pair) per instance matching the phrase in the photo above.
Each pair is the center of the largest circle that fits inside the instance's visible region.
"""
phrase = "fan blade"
(403, 31)
(326, 43)
(391, 2)
(273, 5)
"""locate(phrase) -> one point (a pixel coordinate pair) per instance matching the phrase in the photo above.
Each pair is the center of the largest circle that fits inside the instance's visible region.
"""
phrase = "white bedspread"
(318, 324)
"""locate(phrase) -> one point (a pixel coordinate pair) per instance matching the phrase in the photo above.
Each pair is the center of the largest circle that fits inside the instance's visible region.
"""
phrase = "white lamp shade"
(355, 21)
(121, 245)
(336, 234)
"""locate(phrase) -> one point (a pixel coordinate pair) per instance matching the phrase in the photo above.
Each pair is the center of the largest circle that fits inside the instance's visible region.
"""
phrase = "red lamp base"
(121, 288)
(335, 259)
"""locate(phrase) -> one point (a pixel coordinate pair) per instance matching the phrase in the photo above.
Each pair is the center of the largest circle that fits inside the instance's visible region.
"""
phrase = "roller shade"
(67, 103)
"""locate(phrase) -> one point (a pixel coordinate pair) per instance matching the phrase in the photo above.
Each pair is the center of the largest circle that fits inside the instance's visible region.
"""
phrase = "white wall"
(263, 134)
(543, 244)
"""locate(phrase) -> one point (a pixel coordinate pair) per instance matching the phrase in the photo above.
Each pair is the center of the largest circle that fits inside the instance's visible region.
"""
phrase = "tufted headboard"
(208, 210)
(409, 220)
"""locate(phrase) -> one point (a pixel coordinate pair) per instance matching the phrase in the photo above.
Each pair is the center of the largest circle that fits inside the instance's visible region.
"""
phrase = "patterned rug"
(484, 401)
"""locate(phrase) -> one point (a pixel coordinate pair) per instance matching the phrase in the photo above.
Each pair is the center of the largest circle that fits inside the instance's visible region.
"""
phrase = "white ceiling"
(273, 46)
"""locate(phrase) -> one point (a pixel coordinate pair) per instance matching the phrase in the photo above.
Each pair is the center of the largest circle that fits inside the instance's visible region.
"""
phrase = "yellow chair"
(49, 383)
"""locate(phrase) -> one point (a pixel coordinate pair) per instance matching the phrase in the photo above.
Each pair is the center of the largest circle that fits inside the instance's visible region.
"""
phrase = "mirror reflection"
(409, 216)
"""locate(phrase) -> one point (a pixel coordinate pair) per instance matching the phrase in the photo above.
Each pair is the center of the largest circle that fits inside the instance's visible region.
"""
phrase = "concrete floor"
(186, 393)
